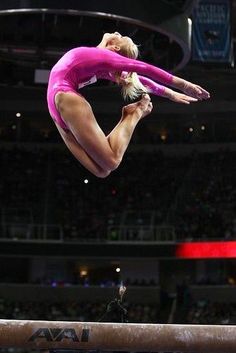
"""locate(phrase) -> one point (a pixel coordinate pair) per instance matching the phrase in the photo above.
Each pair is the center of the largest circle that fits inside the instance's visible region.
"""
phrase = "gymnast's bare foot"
(139, 109)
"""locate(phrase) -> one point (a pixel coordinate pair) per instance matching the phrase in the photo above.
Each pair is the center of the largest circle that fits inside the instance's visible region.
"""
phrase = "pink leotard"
(84, 65)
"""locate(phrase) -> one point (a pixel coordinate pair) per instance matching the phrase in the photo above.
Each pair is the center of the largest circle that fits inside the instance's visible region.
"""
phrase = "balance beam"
(117, 337)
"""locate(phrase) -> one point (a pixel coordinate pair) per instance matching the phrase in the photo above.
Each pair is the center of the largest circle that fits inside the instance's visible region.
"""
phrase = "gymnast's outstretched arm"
(159, 90)
(107, 60)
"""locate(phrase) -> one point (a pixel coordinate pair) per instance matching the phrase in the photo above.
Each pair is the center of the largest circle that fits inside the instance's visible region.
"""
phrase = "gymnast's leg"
(100, 154)
(80, 154)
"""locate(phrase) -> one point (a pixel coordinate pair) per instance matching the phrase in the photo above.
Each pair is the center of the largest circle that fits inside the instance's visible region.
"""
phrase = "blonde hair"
(132, 88)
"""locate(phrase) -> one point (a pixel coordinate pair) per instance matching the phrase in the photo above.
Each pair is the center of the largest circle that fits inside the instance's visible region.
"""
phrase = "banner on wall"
(206, 250)
(211, 40)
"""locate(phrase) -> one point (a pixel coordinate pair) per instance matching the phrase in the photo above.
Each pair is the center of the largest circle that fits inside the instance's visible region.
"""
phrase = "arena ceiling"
(35, 33)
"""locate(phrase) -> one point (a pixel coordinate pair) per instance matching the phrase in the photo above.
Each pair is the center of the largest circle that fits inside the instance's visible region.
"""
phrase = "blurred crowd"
(200, 312)
(212, 313)
(79, 311)
(195, 194)
(207, 206)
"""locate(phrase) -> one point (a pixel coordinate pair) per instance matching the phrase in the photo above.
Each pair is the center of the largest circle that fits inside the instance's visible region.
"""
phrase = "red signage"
(213, 249)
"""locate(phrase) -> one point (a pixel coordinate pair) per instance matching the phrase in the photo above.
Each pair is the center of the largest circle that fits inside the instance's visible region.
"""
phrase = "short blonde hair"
(132, 88)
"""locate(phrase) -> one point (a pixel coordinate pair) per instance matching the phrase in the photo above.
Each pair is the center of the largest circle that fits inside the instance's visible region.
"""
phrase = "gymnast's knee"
(112, 163)
(102, 174)
(108, 167)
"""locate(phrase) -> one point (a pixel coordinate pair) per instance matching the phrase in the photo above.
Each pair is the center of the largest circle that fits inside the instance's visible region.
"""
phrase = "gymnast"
(113, 59)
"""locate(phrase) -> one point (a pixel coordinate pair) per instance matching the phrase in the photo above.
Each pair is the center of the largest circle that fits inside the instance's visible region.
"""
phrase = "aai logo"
(59, 334)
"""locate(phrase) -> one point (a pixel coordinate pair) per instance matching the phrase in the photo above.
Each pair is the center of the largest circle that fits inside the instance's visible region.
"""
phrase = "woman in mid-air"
(113, 59)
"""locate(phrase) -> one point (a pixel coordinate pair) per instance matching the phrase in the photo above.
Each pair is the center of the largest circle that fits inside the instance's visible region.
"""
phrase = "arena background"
(164, 223)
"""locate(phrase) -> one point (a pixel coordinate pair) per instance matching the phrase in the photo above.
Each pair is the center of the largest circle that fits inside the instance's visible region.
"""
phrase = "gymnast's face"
(116, 42)
(117, 39)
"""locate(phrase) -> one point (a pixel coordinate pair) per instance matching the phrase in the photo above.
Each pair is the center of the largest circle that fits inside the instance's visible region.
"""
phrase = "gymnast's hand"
(190, 88)
(181, 98)
(195, 91)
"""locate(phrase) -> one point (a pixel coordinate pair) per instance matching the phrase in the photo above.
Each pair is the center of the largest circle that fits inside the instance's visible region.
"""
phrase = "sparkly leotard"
(84, 65)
